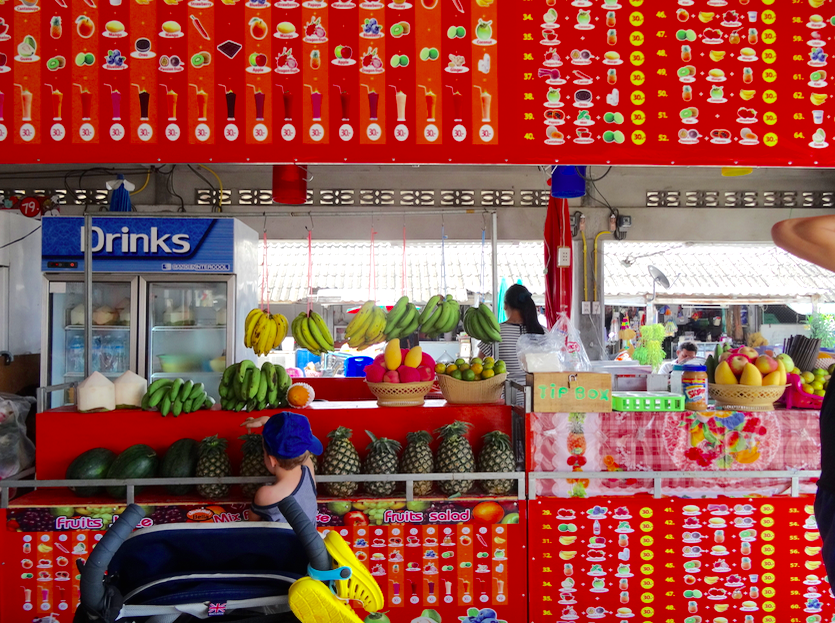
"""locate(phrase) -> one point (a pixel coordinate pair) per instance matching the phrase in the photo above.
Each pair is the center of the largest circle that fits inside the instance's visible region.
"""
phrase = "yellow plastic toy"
(313, 601)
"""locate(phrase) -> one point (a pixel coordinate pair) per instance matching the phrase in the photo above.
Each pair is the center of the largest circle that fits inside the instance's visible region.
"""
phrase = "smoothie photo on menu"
(56, 100)
(373, 101)
(400, 100)
(144, 101)
(260, 97)
(202, 103)
(115, 103)
(25, 102)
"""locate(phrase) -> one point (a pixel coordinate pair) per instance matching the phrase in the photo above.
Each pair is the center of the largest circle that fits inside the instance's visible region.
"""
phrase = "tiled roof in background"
(718, 271)
(341, 270)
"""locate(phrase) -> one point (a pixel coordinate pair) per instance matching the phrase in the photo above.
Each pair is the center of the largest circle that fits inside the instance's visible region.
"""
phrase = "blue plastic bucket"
(355, 366)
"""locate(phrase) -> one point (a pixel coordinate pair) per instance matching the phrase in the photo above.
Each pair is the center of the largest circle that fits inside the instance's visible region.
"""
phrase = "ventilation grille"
(740, 199)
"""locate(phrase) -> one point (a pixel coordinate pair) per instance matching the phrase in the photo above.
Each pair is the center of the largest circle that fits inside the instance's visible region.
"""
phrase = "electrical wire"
(592, 179)
(215, 208)
(219, 183)
(595, 282)
(8, 244)
(171, 191)
(145, 185)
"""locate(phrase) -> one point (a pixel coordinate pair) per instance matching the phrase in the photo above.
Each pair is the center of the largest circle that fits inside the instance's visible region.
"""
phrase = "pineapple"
(418, 459)
(253, 463)
(455, 456)
(213, 462)
(576, 440)
(496, 456)
(381, 459)
(340, 458)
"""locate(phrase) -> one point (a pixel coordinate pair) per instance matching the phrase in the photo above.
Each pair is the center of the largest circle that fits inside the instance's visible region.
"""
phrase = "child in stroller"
(258, 571)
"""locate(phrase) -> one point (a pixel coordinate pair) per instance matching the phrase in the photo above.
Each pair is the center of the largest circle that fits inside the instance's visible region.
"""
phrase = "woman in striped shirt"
(521, 318)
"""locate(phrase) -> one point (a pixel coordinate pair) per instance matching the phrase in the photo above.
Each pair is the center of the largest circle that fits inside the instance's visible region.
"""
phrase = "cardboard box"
(571, 392)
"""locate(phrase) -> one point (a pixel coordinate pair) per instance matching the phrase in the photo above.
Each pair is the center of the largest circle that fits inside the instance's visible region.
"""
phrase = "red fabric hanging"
(558, 280)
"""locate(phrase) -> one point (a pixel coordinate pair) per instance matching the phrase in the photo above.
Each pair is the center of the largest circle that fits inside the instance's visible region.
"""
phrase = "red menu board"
(677, 561)
(704, 82)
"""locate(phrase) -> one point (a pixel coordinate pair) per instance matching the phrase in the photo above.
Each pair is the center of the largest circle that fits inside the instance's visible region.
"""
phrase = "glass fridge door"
(114, 335)
(187, 335)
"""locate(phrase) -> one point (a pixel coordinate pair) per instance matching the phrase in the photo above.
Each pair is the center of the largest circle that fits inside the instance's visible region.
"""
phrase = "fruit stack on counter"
(399, 365)
(245, 387)
(476, 369)
(481, 323)
(264, 331)
(745, 366)
(176, 396)
(187, 458)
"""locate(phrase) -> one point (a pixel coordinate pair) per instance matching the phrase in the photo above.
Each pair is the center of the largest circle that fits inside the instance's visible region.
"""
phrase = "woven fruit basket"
(746, 397)
(486, 391)
(400, 394)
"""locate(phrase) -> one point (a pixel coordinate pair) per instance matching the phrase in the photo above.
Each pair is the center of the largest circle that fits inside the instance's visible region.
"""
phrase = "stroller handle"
(92, 573)
(306, 532)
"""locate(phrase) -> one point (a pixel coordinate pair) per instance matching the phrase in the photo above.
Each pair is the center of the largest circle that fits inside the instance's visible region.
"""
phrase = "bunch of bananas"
(264, 331)
(441, 315)
(367, 327)
(311, 332)
(480, 323)
(176, 396)
(402, 320)
(245, 387)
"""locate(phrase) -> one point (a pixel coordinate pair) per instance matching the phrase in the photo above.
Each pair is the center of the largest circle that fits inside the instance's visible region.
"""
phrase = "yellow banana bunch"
(311, 332)
(263, 331)
(368, 327)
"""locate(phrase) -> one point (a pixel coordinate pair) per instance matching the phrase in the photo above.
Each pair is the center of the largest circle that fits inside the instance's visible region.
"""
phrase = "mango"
(393, 355)
(414, 357)
(724, 375)
(751, 376)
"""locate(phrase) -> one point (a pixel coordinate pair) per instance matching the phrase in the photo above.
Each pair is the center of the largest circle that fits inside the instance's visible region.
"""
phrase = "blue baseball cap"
(287, 435)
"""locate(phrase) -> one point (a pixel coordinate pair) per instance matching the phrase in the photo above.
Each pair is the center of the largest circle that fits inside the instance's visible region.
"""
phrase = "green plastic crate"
(647, 401)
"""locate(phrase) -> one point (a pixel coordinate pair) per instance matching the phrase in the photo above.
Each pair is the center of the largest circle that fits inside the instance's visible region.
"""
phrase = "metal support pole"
(494, 242)
(88, 295)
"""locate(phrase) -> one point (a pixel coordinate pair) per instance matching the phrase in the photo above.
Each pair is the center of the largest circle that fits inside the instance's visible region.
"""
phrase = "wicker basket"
(486, 391)
(746, 397)
(400, 394)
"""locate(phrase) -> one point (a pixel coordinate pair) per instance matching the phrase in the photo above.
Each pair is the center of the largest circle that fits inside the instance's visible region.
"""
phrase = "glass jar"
(694, 384)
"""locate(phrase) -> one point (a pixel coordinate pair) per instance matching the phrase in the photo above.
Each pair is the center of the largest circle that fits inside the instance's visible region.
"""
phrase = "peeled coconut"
(96, 393)
(123, 309)
(77, 315)
(104, 315)
(130, 388)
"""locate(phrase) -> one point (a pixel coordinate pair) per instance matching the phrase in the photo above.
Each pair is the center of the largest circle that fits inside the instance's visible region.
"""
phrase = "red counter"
(63, 434)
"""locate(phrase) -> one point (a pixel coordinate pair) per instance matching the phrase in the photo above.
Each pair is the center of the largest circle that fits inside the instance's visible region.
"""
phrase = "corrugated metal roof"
(341, 269)
(713, 271)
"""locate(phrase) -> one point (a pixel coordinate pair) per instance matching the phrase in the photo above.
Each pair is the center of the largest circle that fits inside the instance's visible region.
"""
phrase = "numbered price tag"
(459, 133)
(431, 133)
(231, 132)
(27, 132)
(29, 206)
(172, 132)
(57, 132)
(117, 132)
(3, 132)
(87, 132)
(260, 132)
(374, 131)
(401, 132)
(145, 132)
(346, 132)
(486, 133)
(202, 132)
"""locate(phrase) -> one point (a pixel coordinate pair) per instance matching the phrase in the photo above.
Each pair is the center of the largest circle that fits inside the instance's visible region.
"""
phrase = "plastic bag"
(17, 452)
(558, 350)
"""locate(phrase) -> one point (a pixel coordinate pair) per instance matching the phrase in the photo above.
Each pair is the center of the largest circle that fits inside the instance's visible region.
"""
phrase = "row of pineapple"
(454, 455)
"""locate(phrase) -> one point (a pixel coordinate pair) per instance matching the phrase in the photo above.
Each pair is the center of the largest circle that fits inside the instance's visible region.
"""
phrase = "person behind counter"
(813, 239)
(288, 446)
(521, 318)
(686, 353)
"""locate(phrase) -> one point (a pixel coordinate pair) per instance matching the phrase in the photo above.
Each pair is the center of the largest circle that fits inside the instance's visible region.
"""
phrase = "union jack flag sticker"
(216, 610)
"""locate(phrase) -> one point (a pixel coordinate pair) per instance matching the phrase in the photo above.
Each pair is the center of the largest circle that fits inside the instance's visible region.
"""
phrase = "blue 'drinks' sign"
(140, 245)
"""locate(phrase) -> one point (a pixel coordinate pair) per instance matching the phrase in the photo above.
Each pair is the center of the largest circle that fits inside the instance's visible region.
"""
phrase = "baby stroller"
(248, 572)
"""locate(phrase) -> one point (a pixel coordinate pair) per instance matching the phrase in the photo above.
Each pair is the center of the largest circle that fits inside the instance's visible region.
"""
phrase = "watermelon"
(180, 462)
(138, 461)
(90, 465)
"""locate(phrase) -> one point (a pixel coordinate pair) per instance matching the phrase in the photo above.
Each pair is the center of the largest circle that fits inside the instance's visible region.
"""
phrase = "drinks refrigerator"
(170, 296)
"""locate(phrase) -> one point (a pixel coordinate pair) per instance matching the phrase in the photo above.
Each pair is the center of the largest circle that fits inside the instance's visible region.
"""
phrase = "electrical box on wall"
(564, 257)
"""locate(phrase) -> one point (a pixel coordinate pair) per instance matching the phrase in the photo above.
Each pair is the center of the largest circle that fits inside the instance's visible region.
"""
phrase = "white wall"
(20, 299)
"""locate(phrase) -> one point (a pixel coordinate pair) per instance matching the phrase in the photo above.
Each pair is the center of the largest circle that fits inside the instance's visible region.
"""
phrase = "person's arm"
(811, 239)
(252, 422)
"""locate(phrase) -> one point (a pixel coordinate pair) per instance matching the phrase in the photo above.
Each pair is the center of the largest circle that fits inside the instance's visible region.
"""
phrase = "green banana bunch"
(441, 315)
(402, 320)
(176, 396)
(368, 327)
(311, 332)
(245, 387)
(480, 323)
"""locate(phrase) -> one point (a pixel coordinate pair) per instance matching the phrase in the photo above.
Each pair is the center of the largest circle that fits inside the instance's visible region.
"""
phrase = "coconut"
(96, 393)
(77, 315)
(104, 315)
(130, 388)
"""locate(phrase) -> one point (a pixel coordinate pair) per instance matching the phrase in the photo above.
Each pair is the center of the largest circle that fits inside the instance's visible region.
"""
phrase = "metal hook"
(484, 220)
(309, 177)
(265, 223)
(310, 216)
